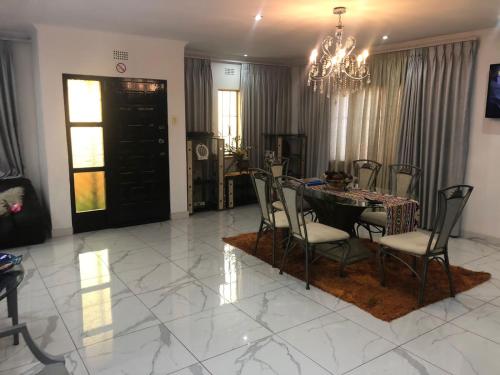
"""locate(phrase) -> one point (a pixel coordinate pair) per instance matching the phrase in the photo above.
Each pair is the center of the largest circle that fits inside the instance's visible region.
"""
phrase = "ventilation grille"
(120, 55)
(229, 71)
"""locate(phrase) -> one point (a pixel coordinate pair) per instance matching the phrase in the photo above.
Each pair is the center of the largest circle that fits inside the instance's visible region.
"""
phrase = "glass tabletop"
(10, 280)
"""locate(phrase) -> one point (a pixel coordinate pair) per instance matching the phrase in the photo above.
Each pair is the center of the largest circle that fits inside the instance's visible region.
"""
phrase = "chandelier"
(335, 68)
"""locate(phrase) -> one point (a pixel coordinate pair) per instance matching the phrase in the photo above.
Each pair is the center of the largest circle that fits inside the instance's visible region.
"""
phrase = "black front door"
(118, 148)
(138, 178)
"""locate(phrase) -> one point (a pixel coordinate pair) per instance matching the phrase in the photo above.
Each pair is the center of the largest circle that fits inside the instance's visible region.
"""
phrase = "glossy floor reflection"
(172, 298)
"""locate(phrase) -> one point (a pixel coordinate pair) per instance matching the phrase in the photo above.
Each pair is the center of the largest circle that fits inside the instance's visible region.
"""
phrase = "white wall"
(26, 112)
(222, 81)
(482, 215)
(68, 50)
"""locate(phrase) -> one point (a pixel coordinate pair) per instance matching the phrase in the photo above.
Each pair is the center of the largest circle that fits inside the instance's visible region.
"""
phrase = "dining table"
(342, 208)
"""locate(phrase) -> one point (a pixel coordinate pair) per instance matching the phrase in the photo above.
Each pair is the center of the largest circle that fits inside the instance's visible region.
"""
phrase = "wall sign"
(121, 68)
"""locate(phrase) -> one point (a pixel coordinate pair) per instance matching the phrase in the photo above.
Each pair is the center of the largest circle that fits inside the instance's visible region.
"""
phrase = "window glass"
(87, 147)
(84, 101)
(90, 191)
(228, 103)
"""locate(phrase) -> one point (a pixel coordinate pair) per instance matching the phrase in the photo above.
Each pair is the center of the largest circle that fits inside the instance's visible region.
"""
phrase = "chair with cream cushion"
(308, 234)
(365, 173)
(424, 246)
(270, 220)
(403, 182)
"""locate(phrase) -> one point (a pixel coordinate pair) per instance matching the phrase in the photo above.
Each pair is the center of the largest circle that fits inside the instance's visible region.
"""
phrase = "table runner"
(401, 212)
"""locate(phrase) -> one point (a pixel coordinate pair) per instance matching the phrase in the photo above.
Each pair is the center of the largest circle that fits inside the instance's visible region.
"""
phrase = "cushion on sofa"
(13, 195)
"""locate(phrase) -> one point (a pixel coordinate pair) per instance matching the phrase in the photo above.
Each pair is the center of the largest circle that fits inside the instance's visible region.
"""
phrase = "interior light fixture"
(258, 17)
(385, 37)
(246, 55)
(334, 65)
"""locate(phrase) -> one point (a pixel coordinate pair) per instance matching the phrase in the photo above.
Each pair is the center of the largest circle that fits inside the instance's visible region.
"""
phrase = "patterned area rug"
(361, 285)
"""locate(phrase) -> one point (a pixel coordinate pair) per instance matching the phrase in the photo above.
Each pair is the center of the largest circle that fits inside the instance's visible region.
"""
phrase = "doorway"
(118, 151)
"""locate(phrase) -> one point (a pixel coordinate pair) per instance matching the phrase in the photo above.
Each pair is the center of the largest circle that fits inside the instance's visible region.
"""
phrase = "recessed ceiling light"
(246, 55)
(258, 17)
(385, 37)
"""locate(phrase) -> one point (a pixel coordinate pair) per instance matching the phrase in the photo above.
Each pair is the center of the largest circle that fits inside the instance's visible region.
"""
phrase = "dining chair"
(277, 167)
(365, 173)
(308, 234)
(424, 246)
(403, 182)
(271, 220)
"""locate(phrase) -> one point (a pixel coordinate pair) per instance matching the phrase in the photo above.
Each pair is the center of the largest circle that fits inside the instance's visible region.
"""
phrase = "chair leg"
(423, 281)
(307, 265)
(259, 233)
(285, 253)
(448, 271)
(345, 254)
(381, 265)
(369, 228)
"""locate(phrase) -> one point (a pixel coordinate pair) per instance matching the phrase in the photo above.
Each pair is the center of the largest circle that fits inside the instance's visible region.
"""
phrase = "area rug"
(361, 285)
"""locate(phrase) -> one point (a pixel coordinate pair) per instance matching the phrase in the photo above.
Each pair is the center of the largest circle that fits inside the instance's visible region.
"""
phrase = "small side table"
(9, 282)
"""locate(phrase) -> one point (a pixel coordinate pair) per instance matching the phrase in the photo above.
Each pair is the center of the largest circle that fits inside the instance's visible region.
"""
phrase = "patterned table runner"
(401, 212)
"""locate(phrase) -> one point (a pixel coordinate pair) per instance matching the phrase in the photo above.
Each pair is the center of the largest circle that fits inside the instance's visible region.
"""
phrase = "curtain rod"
(405, 46)
(14, 39)
(230, 61)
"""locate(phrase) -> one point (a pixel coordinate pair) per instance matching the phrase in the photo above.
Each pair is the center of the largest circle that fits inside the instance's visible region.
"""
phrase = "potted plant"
(239, 153)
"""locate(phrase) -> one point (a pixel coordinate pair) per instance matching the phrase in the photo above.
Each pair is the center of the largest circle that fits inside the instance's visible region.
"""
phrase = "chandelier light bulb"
(258, 17)
(366, 54)
(313, 56)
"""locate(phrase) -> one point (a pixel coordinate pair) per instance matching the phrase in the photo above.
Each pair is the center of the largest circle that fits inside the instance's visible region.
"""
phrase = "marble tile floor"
(172, 298)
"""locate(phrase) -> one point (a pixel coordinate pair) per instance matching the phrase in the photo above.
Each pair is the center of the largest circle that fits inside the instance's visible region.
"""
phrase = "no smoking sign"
(121, 68)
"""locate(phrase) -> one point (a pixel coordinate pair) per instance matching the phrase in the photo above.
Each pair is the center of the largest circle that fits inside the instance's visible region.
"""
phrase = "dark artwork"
(493, 101)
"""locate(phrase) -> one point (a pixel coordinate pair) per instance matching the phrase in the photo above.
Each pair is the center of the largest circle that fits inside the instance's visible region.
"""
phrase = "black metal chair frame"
(266, 224)
(437, 247)
(39, 354)
(309, 249)
(374, 166)
(394, 170)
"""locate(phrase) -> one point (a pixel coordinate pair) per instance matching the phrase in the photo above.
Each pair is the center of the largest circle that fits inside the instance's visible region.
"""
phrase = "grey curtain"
(315, 123)
(10, 153)
(435, 118)
(265, 105)
(198, 84)
(366, 125)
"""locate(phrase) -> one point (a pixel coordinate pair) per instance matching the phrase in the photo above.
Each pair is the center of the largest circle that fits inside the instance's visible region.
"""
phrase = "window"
(228, 115)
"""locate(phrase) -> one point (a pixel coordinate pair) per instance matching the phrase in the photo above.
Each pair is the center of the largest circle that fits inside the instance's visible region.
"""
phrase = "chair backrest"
(277, 167)
(262, 182)
(291, 193)
(403, 179)
(365, 173)
(451, 202)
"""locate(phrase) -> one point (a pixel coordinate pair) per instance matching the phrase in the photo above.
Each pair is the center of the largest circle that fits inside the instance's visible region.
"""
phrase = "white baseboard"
(495, 241)
(179, 215)
(61, 232)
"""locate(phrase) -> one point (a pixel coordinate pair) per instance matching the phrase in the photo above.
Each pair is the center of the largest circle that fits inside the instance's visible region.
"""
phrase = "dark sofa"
(26, 227)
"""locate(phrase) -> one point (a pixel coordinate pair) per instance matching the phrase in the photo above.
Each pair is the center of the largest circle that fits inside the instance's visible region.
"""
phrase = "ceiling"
(289, 29)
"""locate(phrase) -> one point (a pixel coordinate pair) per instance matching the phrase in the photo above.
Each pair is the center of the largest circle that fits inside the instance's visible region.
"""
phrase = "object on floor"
(427, 247)
(361, 285)
(55, 365)
(205, 172)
